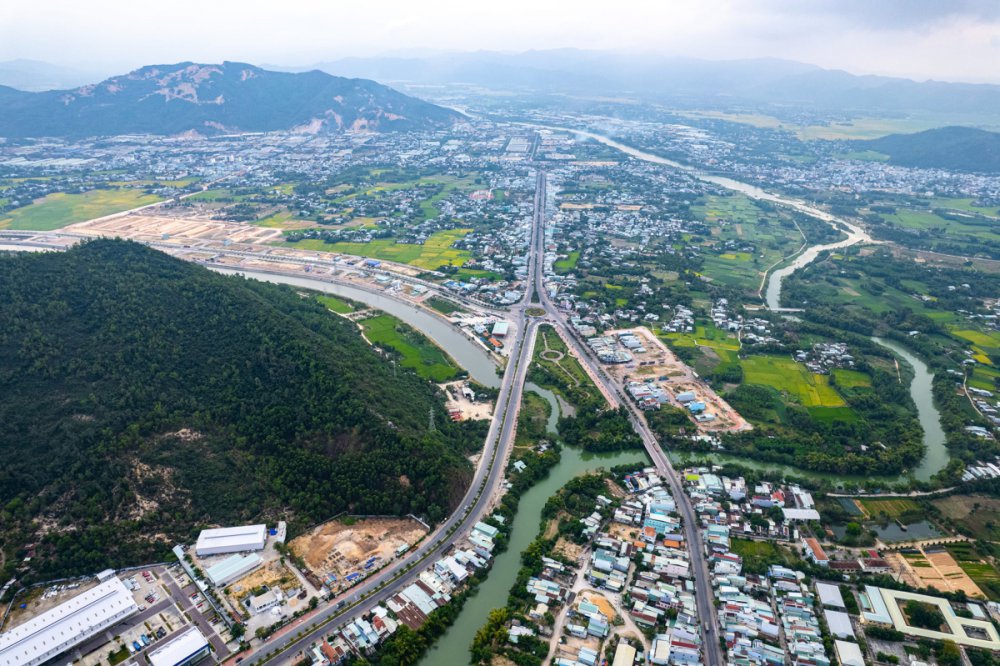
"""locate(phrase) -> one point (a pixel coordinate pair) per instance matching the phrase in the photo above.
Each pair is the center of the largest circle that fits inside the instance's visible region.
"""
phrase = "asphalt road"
(712, 653)
(487, 479)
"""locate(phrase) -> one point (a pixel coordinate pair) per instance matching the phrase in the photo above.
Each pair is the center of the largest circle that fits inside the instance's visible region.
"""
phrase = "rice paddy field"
(967, 229)
(435, 252)
(792, 379)
(737, 220)
(416, 351)
(894, 508)
(58, 210)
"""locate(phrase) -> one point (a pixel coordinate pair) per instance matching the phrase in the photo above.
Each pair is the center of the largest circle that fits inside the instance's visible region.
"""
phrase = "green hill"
(143, 397)
(955, 148)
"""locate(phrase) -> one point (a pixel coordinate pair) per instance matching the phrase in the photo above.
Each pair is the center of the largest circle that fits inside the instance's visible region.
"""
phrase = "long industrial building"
(232, 568)
(231, 540)
(187, 648)
(67, 625)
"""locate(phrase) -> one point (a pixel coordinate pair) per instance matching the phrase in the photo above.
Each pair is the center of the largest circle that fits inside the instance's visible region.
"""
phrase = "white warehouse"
(231, 540)
(233, 568)
(67, 625)
(187, 648)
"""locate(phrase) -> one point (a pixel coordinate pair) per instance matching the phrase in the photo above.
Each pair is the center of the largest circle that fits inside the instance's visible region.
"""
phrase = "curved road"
(477, 501)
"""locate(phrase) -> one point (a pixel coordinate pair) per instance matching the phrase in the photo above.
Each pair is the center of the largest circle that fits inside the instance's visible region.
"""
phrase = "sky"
(952, 40)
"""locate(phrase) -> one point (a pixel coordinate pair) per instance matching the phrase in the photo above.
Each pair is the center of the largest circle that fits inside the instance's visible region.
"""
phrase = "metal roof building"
(232, 568)
(187, 648)
(231, 540)
(67, 625)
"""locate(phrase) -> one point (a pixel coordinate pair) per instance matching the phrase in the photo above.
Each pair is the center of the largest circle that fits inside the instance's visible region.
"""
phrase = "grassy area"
(563, 266)
(335, 304)
(434, 253)
(792, 379)
(847, 379)
(563, 374)
(417, 352)
(759, 555)
(444, 306)
(532, 419)
(60, 209)
(975, 515)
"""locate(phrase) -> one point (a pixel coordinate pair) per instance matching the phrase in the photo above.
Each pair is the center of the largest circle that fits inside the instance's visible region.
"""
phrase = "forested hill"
(956, 148)
(143, 397)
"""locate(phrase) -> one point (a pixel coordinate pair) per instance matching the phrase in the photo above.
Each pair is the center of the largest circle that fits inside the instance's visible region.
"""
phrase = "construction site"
(342, 551)
(653, 364)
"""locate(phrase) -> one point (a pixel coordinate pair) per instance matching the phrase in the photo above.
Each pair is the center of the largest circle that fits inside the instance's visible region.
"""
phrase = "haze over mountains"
(212, 99)
(652, 76)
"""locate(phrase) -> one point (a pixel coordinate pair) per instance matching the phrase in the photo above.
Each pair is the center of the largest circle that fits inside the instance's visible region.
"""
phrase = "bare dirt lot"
(660, 361)
(340, 549)
(936, 569)
(155, 227)
(274, 575)
(480, 409)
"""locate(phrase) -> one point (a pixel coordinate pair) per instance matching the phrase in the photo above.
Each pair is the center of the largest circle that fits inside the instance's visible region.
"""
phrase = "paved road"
(183, 601)
(703, 589)
(477, 501)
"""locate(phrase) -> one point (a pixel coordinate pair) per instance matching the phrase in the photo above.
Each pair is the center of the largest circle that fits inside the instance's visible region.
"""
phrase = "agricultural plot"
(976, 515)
(416, 351)
(433, 254)
(976, 567)
(792, 379)
(60, 209)
(848, 379)
(737, 224)
(964, 229)
(894, 509)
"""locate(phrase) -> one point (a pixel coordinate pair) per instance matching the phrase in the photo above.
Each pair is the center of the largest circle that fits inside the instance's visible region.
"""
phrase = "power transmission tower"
(431, 415)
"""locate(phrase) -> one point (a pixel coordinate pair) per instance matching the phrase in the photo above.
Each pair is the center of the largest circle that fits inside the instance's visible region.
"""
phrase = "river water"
(453, 648)
(936, 454)
(855, 234)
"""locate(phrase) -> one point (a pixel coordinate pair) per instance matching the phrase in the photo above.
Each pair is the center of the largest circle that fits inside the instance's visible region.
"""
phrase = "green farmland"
(416, 351)
(792, 379)
(434, 253)
(60, 209)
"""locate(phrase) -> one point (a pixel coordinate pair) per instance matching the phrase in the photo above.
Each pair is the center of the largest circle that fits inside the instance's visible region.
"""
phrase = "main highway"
(477, 501)
(298, 636)
(712, 653)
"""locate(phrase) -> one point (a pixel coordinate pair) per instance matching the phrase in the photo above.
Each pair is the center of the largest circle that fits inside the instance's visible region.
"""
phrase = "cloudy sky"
(941, 39)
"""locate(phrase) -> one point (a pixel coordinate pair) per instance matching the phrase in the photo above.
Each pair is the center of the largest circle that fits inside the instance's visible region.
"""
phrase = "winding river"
(855, 234)
(453, 647)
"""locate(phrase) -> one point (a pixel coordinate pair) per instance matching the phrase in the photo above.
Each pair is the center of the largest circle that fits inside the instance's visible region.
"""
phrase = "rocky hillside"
(213, 99)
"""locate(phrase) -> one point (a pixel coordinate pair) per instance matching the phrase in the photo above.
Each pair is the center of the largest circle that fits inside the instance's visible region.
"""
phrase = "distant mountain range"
(35, 75)
(954, 148)
(770, 81)
(212, 99)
